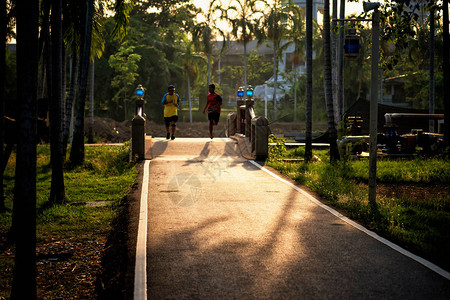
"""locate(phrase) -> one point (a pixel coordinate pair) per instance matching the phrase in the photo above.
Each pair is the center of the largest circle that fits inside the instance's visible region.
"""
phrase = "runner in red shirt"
(213, 104)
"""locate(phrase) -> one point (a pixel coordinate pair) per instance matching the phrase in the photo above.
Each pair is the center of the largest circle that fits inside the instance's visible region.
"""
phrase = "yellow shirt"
(170, 108)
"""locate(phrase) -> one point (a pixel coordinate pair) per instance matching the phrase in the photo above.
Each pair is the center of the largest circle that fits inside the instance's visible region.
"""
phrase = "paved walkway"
(221, 228)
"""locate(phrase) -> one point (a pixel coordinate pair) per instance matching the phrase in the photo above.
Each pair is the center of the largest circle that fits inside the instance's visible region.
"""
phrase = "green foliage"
(258, 71)
(277, 147)
(125, 64)
(391, 171)
(105, 176)
(113, 162)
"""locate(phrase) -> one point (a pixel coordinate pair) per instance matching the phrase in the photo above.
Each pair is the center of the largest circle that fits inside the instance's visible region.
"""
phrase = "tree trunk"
(209, 69)
(340, 87)
(446, 67)
(24, 208)
(431, 89)
(189, 95)
(56, 145)
(332, 133)
(69, 101)
(64, 83)
(43, 46)
(309, 29)
(77, 150)
(91, 107)
(125, 106)
(295, 95)
(3, 25)
(334, 65)
(275, 68)
(245, 66)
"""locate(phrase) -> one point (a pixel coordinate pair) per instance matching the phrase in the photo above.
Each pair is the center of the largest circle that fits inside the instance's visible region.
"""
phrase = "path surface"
(221, 228)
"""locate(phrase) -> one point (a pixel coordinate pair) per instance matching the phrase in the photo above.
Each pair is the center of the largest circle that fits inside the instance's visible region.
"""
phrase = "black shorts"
(167, 120)
(214, 117)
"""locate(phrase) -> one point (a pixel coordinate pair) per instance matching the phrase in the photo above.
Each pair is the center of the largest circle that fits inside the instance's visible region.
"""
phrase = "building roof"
(237, 48)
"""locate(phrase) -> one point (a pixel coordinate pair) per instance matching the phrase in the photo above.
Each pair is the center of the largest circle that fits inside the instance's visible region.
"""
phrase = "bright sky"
(350, 7)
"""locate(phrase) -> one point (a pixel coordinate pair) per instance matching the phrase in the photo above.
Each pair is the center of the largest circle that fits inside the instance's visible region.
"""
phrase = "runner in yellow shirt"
(170, 101)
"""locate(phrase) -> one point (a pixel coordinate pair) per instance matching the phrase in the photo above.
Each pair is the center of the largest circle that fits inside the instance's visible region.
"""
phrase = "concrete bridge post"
(260, 138)
(138, 137)
(231, 124)
(138, 127)
(239, 116)
(249, 114)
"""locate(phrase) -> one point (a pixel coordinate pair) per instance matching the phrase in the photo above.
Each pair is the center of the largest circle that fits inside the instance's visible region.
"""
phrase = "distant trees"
(404, 23)
(243, 16)
(125, 64)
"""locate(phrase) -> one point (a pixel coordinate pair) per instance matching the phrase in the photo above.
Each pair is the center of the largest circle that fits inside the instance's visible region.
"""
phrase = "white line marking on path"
(140, 270)
(399, 249)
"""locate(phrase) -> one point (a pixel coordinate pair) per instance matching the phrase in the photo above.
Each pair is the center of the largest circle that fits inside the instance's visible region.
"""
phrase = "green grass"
(422, 226)
(106, 175)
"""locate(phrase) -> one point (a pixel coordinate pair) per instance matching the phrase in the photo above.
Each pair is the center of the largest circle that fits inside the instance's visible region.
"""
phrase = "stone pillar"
(138, 137)
(261, 138)
(231, 124)
(239, 117)
(248, 119)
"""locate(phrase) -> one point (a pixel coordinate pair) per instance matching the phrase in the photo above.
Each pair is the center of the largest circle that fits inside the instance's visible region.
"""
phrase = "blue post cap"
(140, 91)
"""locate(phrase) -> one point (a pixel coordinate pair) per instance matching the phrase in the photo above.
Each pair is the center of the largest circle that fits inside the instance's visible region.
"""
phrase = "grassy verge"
(75, 231)
(413, 197)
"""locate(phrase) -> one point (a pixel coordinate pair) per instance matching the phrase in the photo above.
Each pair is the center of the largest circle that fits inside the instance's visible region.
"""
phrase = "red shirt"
(213, 102)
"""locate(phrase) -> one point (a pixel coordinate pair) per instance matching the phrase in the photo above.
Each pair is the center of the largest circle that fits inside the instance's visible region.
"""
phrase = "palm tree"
(274, 28)
(5, 31)
(446, 68)
(73, 83)
(332, 132)
(295, 34)
(191, 62)
(56, 146)
(3, 25)
(242, 14)
(204, 33)
(88, 38)
(24, 207)
(334, 65)
(77, 151)
(309, 43)
(431, 89)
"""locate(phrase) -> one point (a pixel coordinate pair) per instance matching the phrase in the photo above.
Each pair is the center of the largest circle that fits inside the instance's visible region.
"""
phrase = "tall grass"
(106, 175)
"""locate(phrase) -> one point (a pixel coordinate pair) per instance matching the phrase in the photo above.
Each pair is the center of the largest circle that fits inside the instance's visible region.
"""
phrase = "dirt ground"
(110, 131)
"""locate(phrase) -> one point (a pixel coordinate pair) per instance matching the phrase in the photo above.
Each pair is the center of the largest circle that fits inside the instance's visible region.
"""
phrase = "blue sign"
(249, 93)
(140, 92)
(240, 94)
